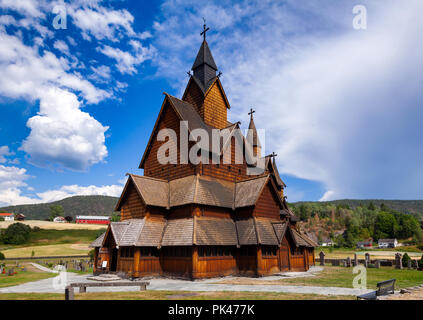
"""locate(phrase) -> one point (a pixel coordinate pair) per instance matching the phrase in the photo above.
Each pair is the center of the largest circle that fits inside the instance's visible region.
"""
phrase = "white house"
(59, 220)
(388, 243)
(8, 216)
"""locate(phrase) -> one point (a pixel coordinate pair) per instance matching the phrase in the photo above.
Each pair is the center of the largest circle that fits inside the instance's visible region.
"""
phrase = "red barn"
(93, 219)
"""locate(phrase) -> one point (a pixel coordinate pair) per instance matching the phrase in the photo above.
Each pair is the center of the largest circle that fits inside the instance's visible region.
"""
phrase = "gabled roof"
(205, 89)
(98, 242)
(196, 189)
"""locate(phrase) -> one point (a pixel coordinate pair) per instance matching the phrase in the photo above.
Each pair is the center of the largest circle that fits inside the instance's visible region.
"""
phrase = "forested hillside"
(354, 220)
(73, 206)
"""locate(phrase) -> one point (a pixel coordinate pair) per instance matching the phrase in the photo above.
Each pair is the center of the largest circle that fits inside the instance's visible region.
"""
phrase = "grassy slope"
(23, 277)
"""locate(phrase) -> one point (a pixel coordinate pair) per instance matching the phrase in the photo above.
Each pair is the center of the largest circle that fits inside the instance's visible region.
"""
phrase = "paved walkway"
(47, 286)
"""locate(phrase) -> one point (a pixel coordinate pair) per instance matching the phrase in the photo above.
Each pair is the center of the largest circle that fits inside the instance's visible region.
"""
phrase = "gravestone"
(367, 257)
(10, 272)
(344, 263)
(398, 261)
(1, 269)
(355, 260)
(348, 262)
(409, 266)
(415, 264)
(322, 258)
(377, 264)
(366, 263)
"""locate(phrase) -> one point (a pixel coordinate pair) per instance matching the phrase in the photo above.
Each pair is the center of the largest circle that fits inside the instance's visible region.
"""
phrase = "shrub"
(405, 260)
(371, 265)
(421, 263)
(17, 233)
(2, 257)
(91, 254)
(36, 229)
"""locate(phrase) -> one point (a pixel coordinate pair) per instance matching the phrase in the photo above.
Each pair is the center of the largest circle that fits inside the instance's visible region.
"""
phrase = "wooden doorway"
(284, 256)
(114, 258)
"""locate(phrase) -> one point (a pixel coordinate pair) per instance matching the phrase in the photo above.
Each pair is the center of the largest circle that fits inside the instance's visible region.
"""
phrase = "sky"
(82, 84)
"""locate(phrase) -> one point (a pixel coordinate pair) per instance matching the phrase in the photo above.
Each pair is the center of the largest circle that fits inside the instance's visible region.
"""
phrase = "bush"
(405, 260)
(421, 263)
(2, 257)
(17, 233)
(36, 229)
(91, 254)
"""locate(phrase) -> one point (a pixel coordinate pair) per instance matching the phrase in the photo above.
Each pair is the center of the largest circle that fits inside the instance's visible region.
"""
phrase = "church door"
(284, 255)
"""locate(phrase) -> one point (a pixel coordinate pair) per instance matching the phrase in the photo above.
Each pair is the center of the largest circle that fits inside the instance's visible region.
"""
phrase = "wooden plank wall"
(215, 110)
(215, 266)
(267, 206)
(132, 205)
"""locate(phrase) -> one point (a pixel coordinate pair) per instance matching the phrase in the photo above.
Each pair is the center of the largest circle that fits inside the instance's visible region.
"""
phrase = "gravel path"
(46, 286)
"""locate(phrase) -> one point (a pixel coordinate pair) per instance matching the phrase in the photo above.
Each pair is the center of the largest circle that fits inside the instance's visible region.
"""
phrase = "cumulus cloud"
(340, 106)
(13, 181)
(74, 138)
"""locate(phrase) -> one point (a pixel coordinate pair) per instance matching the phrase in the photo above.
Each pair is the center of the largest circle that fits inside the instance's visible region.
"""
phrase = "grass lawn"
(343, 277)
(48, 250)
(53, 225)
(343, 253)
(23, 277)
(173, 295)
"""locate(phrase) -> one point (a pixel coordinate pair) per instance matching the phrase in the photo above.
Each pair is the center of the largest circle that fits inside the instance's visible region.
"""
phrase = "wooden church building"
(203, 220)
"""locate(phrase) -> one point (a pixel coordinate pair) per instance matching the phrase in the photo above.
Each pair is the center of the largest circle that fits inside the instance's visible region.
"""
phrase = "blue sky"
(340, 106)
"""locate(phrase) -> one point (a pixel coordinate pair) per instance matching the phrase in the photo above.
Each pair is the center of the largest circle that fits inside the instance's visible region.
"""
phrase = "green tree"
(17, 233)
(385, 225)
(405, 260)
(371, 206)
(2, 257)
(56, 211)
(115, 217)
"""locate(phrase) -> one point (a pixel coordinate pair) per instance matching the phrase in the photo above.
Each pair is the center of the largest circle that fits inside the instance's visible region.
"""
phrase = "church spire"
(204, 66)
(252, 135)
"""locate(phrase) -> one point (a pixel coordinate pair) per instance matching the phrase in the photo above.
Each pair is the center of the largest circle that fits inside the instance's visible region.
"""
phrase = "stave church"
(203, 219)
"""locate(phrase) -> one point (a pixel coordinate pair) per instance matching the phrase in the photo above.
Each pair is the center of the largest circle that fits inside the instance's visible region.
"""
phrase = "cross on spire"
(273, 155)
(251, 113)
(205, 29)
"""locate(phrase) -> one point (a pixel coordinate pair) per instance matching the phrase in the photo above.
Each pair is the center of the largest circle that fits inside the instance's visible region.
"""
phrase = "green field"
(343, 277)
(173, 295)
(23, 277)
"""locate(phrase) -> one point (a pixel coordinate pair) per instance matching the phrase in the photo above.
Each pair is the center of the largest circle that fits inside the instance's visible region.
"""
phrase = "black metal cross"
(205, 29)
(274, 155)
(251, 112)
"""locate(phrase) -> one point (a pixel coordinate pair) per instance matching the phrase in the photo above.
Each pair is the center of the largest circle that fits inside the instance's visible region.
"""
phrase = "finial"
(205, 29)
(220, 73)
(273, 155)
(189, 73)
(251, 113)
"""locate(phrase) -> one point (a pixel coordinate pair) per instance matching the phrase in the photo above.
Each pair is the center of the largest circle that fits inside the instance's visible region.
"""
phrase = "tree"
(371, 206)
(405, 260)
(17, 233)
(421, 263)
(385, 225)
(115, 217)
(69, 219)
(56, 211)
(2, 257)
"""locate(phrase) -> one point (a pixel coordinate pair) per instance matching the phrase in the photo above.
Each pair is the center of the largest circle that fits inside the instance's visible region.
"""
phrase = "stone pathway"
(46, 286)
(42, 268)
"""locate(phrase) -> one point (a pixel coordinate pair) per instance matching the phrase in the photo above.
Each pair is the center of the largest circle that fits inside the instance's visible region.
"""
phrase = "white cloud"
(61, 46)
(4, 152)
(127, 62)
(75, 190)
(12, 181)
(340, 106)
(26, 7)
(75, 139)
(102, 22)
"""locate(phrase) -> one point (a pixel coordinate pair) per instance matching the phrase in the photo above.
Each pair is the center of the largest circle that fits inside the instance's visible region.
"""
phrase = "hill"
(404, 206)
(73, 206)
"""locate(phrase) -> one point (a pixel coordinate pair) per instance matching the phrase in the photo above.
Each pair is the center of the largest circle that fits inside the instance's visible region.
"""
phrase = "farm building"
(388, 243)
(20, 217)
(59, 220)
(92, 219)
(199, 220)
(7, 216)
(365, 244)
